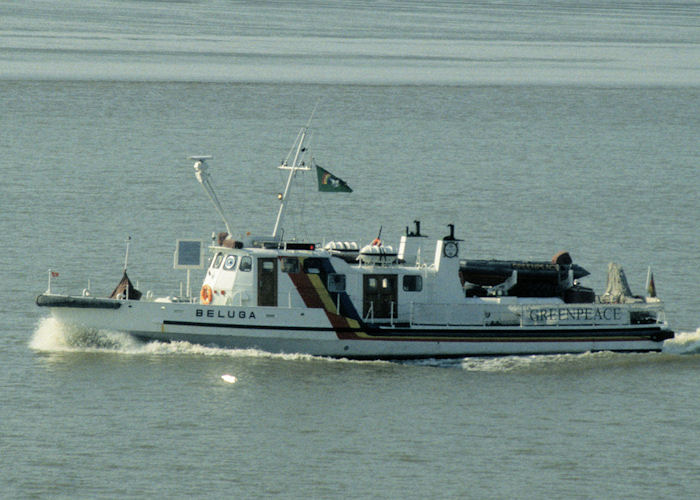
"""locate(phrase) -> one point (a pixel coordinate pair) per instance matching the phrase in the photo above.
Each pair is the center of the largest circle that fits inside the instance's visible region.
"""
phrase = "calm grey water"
(533, 126)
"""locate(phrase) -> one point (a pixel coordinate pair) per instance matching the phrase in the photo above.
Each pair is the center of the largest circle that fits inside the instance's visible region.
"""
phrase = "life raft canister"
(205, 295)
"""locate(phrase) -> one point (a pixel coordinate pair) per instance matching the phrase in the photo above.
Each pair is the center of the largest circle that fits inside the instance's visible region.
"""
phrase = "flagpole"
(126, 256)
(126, 264)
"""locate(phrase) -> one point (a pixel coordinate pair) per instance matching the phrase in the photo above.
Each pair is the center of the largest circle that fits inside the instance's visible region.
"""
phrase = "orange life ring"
(377, 242)
(205, 295)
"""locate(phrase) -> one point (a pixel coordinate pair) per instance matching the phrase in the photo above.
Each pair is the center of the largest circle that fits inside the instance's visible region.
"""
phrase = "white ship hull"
(311, 331)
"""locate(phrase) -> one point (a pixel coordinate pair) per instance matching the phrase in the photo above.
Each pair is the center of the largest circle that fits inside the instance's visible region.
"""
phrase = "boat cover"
(617, 290)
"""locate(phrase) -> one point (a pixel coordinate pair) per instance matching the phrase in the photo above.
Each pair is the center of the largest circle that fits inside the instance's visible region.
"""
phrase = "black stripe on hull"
(656, 334)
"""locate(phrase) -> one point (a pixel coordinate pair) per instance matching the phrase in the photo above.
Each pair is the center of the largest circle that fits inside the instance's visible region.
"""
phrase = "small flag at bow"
(54, 274)
(329, 183)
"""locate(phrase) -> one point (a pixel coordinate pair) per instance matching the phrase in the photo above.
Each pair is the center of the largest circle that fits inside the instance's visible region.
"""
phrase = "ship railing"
(450, 314)
(533, 315)
(370, 313)
(166, 289)
(369, 316)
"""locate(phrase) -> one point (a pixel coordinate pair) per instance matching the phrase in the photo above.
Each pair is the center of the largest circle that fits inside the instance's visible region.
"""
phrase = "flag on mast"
(329, 183)
(651, 286)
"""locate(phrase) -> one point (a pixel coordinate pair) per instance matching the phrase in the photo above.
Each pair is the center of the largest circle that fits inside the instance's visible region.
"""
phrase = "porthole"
(230, 262)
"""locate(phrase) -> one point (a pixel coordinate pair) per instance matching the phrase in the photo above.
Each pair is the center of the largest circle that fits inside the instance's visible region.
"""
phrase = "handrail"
(370, 312)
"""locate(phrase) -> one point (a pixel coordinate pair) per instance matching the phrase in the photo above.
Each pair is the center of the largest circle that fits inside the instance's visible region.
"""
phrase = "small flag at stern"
(651, 286)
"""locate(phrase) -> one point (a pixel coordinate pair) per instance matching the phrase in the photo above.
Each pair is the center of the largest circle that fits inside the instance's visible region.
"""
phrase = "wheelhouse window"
(412, 283)
(217, 261)
(290, 265)
(312, 266)
(336, 283)
(230, 262)
(246, 264)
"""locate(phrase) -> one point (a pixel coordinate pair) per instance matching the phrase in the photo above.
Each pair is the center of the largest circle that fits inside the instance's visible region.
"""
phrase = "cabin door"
(380, 296)
(267, 282)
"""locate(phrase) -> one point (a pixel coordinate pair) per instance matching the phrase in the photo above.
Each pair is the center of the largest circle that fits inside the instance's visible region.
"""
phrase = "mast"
(299, 149)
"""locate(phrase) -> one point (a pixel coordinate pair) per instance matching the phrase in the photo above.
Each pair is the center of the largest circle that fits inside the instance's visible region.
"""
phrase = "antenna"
(201, 170)
(308, 123)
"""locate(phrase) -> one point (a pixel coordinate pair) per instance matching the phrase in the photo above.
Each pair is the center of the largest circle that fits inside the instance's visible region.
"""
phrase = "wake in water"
(683, 343)
(53, 336)
(541, 361)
